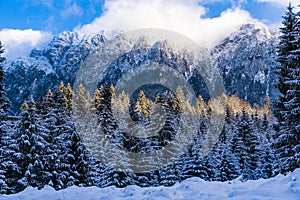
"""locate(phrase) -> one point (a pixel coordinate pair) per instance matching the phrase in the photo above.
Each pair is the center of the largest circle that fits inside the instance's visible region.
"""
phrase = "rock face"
(245, 60)
(32, 76)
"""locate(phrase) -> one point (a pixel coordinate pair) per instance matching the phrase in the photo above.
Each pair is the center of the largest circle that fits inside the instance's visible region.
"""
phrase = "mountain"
(245, 60)
(32, 76)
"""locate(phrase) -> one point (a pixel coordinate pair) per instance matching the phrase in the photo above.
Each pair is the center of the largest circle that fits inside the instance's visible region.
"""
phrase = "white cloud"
(20, 42)
(185, 17)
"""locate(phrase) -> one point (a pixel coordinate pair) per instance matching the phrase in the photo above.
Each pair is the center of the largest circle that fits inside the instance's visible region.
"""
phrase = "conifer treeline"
(43, 146)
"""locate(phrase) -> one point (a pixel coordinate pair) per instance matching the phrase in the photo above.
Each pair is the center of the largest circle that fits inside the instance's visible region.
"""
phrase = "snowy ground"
(280, 187)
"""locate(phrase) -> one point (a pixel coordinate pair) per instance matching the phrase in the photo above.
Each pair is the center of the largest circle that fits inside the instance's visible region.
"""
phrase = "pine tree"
(142, 107)
(172, 104)
(97, 96)
(266, 154)
(106, 120)
(4, 132)
(180, 99)
(226, 168)
(266, 106)
(123, 102)
(201, 107)
(4, 102)
(182, 104)
(71, 165)
(82, 103)
(58, 157)
(36, 174)
(23, 155)
(68, 94)
(287, 109)
(40, 168)
(245, 146)
(284, 48)
(84, 112)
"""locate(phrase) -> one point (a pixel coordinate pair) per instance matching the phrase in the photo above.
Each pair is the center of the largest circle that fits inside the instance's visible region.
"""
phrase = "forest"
(53, 140)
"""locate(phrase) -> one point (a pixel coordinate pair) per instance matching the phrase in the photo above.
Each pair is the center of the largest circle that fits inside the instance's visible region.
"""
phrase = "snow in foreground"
(280, 187)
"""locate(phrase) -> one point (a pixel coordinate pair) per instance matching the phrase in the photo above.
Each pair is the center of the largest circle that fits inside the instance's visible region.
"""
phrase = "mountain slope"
(245, 60)
(32, 76)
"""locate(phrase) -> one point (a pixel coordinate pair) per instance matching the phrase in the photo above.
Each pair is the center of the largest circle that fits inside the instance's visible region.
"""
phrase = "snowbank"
(280, 187)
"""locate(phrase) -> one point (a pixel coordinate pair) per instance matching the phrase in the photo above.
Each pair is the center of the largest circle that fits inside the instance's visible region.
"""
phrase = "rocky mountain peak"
(245, 60)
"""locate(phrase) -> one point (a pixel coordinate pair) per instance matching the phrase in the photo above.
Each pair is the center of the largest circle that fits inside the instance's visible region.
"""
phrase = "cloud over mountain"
(21, 42)
(185, 17)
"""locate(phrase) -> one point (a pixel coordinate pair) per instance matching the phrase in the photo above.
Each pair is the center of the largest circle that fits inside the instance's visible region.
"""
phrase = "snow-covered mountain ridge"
(245, 59)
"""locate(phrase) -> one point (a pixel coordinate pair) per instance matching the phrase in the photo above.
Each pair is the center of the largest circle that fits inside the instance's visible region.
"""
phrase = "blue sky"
(268, 12)
(28, 24)
(53, 16)
(57, 15)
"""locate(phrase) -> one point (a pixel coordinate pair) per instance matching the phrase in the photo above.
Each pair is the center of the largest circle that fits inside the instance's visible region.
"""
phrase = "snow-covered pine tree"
(98, 96)
(226, 169)
(294, 96)
(50, 157)
(245, 146)
(4, 102)
(68, 94)
(4, 109)
(201, 106)
(284, 48)
(25, 138)
(254, 151)
(103, 103)
(82, 101)
(70, 168)
(142, 107)
(37, 174)
(190, 164)
(287, 109)
(172, 104)
(266, 156)
(104, 111)
(48, 121)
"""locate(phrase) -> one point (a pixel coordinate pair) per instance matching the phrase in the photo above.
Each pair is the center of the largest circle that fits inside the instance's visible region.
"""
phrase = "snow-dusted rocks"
(245, 60)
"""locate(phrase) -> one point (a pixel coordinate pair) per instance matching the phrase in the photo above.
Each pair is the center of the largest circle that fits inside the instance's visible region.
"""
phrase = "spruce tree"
(25, 139)
(142, 107)
(82, 101)
(97, 96)
(4, 132)
(71, 163)
(4, 102)
(68, 94)
(201, 106)
(287, 109)
(246, 147)
(226, 168)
